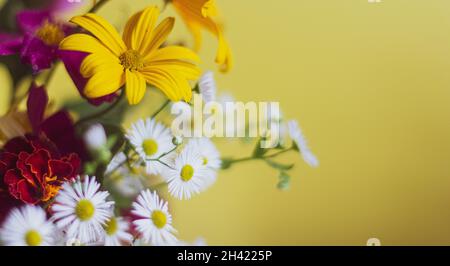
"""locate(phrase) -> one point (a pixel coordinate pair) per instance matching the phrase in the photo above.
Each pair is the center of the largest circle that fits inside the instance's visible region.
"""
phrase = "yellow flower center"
(132, 60)
(33, 238)
(150, 147)
(111, 226)
(50, 33)
(205, 161)
(159, 219)
(187, 172)
(84, 210)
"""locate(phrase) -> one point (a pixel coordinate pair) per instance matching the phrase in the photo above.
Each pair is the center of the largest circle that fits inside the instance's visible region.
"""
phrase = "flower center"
(50, 33)
(159, 219)
(132, 60)
(51, 189)
(205, 161)
(111, 226)
(150, 147)
(187, 172)
(33, 238)
(84, 210)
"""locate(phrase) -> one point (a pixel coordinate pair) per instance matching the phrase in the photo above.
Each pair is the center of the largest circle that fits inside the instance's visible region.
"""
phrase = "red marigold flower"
(33, 168)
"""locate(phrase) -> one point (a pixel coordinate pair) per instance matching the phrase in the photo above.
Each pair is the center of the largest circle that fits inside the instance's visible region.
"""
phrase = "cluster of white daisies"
(83, 212)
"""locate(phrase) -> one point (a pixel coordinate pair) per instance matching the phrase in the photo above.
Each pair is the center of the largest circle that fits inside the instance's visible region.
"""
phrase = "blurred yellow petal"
(209, 9)
(135, 87)
(13, 124)
(7, 89)
(104, 82)
(224, 58)
(198, 14)
(103, 30)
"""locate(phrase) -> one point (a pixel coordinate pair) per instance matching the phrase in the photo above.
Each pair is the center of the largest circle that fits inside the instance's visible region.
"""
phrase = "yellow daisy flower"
(133, 60)
(198, 15)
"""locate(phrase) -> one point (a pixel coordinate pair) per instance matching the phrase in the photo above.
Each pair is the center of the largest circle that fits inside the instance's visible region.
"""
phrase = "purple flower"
(72, 61)
(38, 40)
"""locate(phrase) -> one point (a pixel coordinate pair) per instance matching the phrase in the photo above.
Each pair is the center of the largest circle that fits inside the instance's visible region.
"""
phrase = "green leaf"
(279, 166)
(226, 163)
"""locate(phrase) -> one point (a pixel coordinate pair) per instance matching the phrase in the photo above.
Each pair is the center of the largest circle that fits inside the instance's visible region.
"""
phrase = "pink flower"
(38, 38)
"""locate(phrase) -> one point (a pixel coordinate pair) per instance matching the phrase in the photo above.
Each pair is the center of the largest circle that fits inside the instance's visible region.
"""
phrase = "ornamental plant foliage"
(78, 175)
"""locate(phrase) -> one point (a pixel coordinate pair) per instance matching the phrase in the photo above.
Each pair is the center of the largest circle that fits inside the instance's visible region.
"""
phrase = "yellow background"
(369, 84)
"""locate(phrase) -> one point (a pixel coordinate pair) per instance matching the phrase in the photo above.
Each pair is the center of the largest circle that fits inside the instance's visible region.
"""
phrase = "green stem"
(278, 153)
(97, 6)
(161, 162)
(102, 112)
(229, 163)
(160, 109)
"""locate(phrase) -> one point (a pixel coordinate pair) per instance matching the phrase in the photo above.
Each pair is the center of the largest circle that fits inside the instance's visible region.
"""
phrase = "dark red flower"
(33, 169)
(58, 128)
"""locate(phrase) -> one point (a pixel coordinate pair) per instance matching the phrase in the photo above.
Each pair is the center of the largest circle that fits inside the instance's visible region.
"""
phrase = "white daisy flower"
(151, 139)
(208, 151)
(207, 87)
(155, 221)
(95, 137)
(188, 175)
(127, 183)
(116, 232)
(297, 136)
(81, 210)
(73, 242)
(27, 226)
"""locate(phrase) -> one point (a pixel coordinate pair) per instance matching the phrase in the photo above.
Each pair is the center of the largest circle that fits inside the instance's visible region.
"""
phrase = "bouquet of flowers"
(76, 176)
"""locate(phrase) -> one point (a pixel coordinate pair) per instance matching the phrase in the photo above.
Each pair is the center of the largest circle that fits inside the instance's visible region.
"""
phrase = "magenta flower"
(72, 61)
(39, 36)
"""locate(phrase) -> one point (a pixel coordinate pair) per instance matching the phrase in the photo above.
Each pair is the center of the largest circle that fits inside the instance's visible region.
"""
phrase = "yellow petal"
(187, 70)
(131, 24)
(224, 56)
(197, 35)
(105, 82)
(83, 43)
(198, 14)
(103, 30)
(143, 30)
(173, 52)
(175, 87)
(159, 36)
(209, 9)
(96, 62)
(135, 86)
